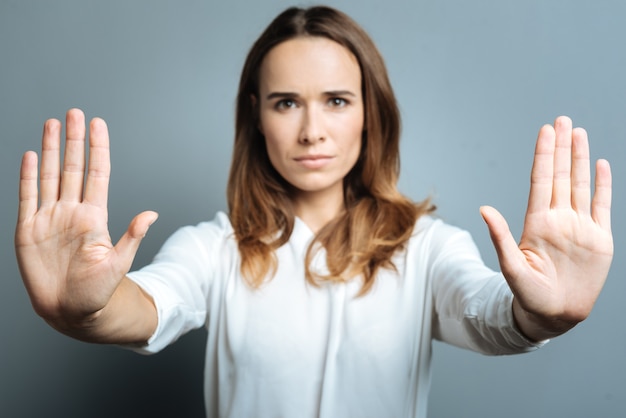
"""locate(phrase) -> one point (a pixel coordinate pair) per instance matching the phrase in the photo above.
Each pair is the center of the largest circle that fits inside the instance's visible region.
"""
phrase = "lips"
(313, 161)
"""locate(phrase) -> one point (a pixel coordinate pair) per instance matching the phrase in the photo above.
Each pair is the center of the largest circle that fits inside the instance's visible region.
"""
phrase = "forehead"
(309, 63)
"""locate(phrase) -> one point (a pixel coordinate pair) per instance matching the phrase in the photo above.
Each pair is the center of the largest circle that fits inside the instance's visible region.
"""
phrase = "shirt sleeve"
(472, 303)
(179, 280)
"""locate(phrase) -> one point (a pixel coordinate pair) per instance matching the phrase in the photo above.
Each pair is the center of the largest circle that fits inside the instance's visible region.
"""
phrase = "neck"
(319, 208)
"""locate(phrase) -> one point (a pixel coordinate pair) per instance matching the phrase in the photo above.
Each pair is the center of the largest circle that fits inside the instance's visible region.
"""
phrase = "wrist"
(538, 328)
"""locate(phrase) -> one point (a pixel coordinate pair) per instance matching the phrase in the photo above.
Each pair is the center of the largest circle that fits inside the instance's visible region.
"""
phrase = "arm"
(472, 303)
(559, 267)
(74, 275)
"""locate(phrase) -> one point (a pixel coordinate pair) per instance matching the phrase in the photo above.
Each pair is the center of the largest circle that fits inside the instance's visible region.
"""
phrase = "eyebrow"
(288, 95)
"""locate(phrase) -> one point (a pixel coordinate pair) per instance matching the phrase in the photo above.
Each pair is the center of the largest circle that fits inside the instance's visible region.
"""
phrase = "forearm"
(130, 317)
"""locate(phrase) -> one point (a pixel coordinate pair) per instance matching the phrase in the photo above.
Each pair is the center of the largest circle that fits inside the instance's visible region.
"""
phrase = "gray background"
(475, 81)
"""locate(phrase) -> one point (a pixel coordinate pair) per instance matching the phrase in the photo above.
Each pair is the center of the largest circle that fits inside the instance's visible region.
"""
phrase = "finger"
(542, 173)
(562, 190)
(50, 175)
(28, 195)
(97, 185)
(601, 203)
(127, 246)
(581, 178)
(509, 255)
(74, 160)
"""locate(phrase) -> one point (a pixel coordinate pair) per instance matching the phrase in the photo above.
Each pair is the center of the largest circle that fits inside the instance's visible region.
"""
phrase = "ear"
(254, 103)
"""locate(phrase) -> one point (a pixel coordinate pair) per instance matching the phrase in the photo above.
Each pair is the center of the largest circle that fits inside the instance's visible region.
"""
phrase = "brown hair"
(377, 220)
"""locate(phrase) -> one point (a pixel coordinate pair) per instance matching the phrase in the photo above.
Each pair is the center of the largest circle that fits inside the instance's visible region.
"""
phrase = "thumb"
(128, 245)
(503, 241)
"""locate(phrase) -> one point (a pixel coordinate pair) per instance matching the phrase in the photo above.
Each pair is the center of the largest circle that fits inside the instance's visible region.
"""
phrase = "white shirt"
(290, 349)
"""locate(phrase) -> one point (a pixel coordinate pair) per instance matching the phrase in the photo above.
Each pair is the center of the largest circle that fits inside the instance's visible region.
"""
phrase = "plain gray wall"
(475, 81)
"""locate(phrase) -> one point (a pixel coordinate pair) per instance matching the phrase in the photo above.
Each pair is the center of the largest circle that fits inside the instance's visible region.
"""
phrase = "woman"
(323, 286)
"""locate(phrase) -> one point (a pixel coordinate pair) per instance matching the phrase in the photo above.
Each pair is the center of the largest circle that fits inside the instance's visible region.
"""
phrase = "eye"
(337, 102)
(285, 104)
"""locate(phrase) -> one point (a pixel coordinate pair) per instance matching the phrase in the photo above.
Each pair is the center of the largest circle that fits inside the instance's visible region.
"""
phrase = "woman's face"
(311, 113)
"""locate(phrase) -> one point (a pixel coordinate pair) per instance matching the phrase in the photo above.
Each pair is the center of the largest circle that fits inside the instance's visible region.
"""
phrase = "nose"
(312, 130)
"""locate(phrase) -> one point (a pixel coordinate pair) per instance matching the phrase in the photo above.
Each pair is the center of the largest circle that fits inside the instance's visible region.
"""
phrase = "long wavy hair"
(377, 220)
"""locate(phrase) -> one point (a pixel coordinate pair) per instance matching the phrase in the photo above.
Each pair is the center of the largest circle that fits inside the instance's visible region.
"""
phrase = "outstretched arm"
(559, 267)
(74, 275)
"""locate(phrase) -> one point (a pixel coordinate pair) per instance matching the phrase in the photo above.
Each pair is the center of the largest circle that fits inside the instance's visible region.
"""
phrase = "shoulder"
(431, 228)
(203, 236)
(439, 238)
(219, 226)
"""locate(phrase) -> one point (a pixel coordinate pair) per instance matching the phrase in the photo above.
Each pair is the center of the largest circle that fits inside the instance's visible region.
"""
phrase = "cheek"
(354, 131)
(277, 150)
(272, 137)
(273, 150)
(355, 150)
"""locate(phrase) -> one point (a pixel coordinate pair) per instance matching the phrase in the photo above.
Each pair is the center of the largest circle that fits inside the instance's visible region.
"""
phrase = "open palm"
(562, 260)
(68, 263)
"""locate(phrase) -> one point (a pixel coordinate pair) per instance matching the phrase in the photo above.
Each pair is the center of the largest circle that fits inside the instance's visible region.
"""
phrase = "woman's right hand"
(68, 263)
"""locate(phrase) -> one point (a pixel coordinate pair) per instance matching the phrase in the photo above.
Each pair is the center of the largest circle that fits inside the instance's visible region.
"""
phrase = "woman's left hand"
(557, 270)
